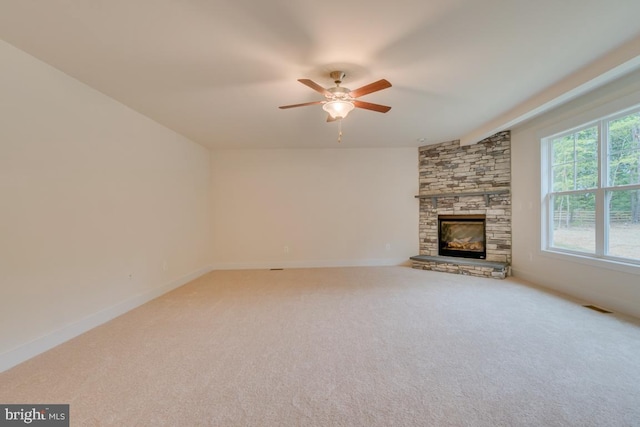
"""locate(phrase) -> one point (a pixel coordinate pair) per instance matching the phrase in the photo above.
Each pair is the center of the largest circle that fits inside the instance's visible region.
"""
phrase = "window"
(591, 181)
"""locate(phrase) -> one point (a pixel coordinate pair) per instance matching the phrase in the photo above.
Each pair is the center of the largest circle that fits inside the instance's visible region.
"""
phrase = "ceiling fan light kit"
(338, 109)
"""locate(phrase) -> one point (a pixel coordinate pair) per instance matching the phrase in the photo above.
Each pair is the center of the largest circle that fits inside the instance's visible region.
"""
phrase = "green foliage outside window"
(624, 164)
(575, 167)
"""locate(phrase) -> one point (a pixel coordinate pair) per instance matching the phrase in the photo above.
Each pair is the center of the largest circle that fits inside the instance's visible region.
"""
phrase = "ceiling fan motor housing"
(338, 93)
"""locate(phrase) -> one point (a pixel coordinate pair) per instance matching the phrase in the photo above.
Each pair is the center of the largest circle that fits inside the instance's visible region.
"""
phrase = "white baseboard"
(311, 264)
(26, 351)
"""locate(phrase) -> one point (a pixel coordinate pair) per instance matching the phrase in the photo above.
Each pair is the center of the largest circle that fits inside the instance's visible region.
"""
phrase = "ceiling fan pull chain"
(339, 130)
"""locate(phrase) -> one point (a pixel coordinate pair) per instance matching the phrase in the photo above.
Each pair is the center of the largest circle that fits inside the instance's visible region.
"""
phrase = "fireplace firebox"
(462, 236)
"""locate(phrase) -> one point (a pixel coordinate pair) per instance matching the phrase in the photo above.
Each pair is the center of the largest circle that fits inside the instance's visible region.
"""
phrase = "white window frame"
(602, 187)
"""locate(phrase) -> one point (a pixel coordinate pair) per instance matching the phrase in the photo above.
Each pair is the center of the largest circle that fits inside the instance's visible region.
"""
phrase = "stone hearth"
(469, 180)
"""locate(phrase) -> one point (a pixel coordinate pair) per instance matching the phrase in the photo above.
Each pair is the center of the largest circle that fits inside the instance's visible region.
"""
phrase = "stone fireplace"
(470, 185)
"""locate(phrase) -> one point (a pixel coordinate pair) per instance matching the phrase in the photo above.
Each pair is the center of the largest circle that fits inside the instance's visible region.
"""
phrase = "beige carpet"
(377, 346)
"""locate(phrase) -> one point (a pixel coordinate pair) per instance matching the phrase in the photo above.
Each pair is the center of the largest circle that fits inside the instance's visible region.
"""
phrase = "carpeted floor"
(374, 346)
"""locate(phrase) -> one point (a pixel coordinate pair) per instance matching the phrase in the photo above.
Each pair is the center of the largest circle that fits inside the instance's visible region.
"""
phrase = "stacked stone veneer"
(449, 168)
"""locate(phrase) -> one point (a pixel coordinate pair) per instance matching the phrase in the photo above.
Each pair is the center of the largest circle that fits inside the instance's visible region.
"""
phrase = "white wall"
(90, 192)
(588, 280)
(330, 207)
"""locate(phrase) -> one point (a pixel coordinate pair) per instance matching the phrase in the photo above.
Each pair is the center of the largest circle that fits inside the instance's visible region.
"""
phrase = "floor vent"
(276, 269)
(596, 308)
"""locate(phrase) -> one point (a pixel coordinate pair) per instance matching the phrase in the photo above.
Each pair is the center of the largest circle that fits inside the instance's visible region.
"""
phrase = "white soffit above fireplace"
(612, 66)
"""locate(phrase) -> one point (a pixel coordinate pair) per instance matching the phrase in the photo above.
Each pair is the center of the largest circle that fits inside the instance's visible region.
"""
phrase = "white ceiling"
(216, 70)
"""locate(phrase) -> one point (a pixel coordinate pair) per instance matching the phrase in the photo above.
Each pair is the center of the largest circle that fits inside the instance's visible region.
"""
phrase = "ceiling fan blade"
(315, 86)
(373, 107)
(301, 105)
(372, 87)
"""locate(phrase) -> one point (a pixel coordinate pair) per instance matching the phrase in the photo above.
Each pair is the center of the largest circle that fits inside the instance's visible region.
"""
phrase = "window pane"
(575, 161)
(563, 150)
(563, 177)
(574, 222)
(624, 150)
(624, 223)
(563, 163)
(587, 158)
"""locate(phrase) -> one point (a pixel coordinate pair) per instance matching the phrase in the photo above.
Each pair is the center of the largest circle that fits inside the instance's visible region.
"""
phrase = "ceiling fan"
(341, 100)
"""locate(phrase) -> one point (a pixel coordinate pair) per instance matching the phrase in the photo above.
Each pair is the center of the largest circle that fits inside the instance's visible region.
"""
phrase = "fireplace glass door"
(462, 236)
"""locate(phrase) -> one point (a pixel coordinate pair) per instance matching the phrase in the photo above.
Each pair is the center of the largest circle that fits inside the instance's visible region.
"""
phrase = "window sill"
(610, 264)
